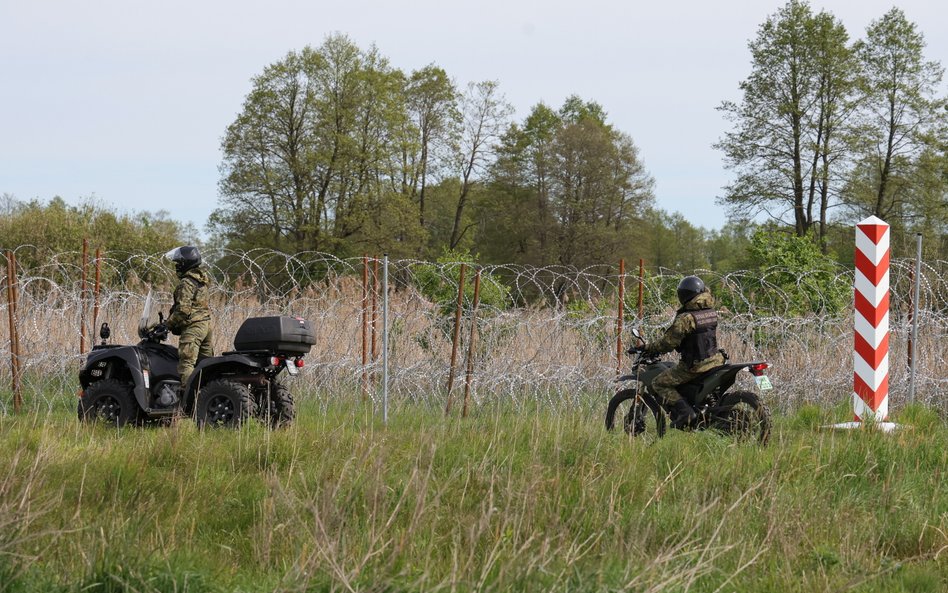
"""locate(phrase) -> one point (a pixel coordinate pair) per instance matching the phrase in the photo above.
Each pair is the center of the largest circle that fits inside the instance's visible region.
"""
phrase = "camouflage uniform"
(191, 320)
(665, 384)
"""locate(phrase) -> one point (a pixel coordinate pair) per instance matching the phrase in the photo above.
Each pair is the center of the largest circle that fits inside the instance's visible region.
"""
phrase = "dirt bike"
(124, 384)
(741, 413)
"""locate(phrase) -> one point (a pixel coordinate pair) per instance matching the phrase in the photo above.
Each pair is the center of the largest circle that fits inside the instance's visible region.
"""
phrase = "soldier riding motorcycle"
(693, 392)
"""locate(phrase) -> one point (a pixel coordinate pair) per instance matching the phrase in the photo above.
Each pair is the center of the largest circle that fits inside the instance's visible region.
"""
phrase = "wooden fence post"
(14, 335)
(95, 292)
(454, 341)
(468, 377)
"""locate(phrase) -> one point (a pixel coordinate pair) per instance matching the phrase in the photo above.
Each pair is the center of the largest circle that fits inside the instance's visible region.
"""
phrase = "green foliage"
(439, 283)
(795, 277)
(42, 231)
(57, 227)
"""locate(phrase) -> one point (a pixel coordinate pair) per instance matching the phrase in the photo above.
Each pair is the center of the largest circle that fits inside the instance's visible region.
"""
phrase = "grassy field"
(505, 500)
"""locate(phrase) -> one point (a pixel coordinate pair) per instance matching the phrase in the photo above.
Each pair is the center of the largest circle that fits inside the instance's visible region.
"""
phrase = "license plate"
(291, 369)
(763, 383)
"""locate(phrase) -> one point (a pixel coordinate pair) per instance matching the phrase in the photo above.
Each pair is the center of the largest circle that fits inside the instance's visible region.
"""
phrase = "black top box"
(279, 335)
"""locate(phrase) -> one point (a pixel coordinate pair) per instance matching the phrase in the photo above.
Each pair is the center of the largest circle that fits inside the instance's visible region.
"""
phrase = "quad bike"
(741, 413)
(140, 384)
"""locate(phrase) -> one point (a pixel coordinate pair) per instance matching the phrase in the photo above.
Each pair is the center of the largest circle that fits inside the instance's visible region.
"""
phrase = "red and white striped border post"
(871, 352)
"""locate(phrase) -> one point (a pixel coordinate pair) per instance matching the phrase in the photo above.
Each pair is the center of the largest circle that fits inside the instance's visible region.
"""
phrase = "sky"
(126, 101)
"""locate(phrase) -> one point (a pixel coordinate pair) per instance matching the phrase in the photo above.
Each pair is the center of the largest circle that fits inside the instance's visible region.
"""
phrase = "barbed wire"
(543, 333)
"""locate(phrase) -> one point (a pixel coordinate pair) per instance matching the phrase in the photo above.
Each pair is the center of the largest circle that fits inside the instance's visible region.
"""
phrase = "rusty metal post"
(95, 292)
(82, 298)
(454, 341)
(365, 327)
(14, 337)
(469, 375)
(641, 288)
(619, 316)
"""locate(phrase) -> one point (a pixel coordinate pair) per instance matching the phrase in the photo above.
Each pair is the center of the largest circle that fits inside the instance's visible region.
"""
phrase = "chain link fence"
(544, 334)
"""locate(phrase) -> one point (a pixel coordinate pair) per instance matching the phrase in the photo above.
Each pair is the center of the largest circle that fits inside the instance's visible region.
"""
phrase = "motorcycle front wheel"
(641, 414)
(743, 415)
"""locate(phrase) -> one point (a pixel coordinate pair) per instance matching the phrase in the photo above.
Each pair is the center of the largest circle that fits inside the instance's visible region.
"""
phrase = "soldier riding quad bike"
(741, 413)
(140, 383)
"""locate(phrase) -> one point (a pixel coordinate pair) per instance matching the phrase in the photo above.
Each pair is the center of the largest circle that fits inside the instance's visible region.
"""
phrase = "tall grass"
(512, 498)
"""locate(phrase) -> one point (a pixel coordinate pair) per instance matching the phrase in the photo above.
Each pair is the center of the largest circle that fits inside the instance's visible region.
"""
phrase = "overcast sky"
(128, 100)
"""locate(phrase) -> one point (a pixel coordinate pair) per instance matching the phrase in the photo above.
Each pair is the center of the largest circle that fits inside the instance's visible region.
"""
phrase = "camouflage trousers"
(666, 383)
(194, 345)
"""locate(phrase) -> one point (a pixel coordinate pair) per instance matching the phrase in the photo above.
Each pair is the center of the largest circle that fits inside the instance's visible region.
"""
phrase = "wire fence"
(546, 334)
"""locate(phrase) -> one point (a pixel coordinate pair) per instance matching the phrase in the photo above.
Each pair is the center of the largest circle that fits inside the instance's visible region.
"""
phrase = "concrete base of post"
(881, 426)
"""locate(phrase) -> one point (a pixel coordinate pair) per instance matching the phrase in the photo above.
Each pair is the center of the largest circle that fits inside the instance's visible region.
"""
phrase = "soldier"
(693, 334)
(190, 316)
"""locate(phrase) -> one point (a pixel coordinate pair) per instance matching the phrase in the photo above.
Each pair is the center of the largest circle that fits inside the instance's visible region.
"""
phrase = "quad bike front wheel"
(110, 402)
(743, 415)
(641, 414)
(223, 403)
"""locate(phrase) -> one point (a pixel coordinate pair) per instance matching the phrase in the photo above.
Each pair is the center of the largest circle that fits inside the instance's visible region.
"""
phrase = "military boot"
(683, 415)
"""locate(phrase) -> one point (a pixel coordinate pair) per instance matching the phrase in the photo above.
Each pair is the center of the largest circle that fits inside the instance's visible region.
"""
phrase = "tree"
(898, 118)
(314, 161)
(784, 145)
(484, 117)
(566, 187)
(433, 111)
(836, 69)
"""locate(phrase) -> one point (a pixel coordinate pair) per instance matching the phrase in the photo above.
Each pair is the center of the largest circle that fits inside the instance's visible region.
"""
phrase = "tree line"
(337, 150)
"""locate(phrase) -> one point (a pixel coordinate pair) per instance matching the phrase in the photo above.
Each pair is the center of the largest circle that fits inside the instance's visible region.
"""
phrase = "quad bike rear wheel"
(223, 403)
(278, 409)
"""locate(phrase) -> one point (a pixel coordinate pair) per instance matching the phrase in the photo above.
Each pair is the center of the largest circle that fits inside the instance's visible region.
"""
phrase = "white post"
(385, 339)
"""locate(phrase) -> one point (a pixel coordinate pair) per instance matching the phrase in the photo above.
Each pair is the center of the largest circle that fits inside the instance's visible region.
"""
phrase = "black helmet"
(185, 258)
(689, 288)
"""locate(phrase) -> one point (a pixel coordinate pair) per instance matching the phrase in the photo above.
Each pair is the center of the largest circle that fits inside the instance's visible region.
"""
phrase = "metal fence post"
(913, 341)
(385, 339)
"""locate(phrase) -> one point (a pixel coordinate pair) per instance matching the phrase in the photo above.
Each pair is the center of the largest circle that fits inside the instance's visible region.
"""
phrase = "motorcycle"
(740, 413)
(139, 384)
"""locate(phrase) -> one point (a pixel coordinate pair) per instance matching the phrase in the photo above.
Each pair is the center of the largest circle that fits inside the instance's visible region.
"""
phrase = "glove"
(175, 323)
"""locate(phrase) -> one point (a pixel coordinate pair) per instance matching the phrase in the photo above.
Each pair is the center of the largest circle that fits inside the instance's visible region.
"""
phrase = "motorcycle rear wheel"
(641, 414)
(744, 415)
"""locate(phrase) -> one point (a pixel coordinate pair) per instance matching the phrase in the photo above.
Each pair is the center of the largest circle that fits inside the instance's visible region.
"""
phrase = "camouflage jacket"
(190, 300)
(681, 327)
